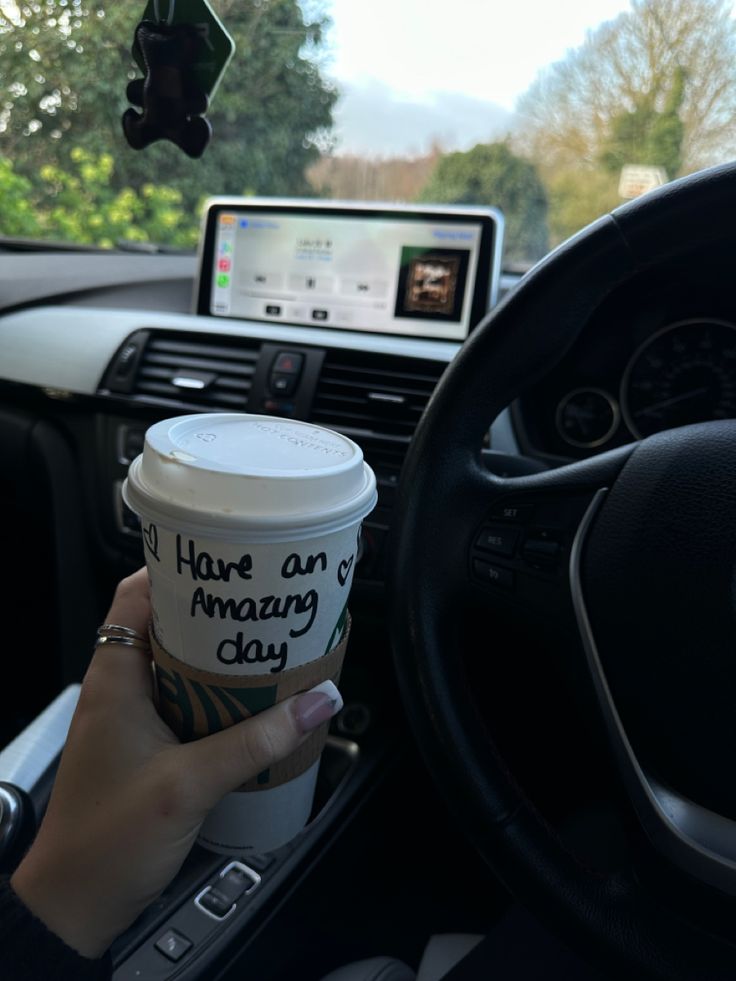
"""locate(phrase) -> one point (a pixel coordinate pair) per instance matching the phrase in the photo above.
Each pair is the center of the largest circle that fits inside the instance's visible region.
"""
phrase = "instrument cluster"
(633, 374)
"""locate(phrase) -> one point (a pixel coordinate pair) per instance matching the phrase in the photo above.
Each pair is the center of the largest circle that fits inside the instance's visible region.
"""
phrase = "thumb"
(220, 763)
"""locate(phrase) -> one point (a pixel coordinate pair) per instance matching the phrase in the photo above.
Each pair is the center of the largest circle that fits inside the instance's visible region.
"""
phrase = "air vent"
(196, 371)
(374, 395)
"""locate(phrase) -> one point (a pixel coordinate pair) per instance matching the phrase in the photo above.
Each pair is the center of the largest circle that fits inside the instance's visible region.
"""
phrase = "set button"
(512, 512)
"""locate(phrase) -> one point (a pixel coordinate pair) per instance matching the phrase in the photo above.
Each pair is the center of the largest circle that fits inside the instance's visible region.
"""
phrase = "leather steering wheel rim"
(616, 920)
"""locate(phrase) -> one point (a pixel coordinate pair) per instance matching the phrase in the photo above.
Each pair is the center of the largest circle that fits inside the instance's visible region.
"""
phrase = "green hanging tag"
(217, 48)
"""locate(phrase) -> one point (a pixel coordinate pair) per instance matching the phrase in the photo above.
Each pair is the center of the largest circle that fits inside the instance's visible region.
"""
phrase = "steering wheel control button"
(512, 512)
(498, 539)
(494, 575)
(173, 945)
(541, 552)
(220, 898)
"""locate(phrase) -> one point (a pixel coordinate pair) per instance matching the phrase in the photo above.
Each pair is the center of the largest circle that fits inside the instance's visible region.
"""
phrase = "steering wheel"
(636, 550)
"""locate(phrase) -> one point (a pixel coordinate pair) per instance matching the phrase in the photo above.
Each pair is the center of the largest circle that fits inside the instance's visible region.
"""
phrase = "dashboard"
(656, 356)
(346, 317)
(95, 348)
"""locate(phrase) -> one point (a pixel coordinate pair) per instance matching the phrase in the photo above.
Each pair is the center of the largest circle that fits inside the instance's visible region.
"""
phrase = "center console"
(213, 901)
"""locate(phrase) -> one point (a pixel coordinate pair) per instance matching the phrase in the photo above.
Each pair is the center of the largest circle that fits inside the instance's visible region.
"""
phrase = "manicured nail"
(317, 706)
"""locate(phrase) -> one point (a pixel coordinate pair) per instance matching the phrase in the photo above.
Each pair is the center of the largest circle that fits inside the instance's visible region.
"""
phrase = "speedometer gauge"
(684, 373)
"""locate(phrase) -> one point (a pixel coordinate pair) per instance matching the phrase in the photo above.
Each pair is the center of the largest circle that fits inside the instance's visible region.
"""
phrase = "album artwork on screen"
(432, 283)
(393, 270)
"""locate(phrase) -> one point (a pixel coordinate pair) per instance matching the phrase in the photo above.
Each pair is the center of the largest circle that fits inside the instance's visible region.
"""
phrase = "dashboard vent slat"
(221, 370)
(377, 395)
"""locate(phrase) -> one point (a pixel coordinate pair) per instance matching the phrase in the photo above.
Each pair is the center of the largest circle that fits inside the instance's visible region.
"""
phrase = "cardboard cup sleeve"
(195, 703)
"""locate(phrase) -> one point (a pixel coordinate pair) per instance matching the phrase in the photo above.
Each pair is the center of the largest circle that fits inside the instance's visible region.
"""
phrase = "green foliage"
(80, 205)
(17, 215)
(490, 174)
(646, 135)
(577, 197)
(64, 68)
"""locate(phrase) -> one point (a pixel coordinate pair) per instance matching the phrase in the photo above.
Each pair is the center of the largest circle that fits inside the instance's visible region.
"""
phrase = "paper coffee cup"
(250, 528)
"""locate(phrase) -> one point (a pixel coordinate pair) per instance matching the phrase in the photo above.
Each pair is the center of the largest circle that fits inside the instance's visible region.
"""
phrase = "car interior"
(533, 758)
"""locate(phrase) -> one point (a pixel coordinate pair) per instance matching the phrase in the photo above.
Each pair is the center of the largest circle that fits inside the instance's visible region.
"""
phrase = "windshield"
(554, 113)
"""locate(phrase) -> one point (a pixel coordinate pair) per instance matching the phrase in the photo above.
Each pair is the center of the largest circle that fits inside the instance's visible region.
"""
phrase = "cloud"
(372, 120)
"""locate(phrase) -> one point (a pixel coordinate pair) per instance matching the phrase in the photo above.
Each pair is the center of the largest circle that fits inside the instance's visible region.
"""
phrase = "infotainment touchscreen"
(394, 270)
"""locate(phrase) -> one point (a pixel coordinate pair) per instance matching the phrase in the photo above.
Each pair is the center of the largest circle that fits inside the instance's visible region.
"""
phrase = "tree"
(65, 64)
(577, 197)
(17, 215)
(647, 135)
(660, 62)
(349, 177)
(491, 174)
(81, 205)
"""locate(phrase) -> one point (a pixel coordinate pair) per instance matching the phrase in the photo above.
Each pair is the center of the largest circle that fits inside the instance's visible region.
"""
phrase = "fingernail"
(317, 706)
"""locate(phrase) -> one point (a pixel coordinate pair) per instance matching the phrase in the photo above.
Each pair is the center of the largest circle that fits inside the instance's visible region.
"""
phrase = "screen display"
(421, 274)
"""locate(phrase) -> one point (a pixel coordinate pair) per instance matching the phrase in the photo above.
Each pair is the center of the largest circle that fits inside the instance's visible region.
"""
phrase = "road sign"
(637, 179)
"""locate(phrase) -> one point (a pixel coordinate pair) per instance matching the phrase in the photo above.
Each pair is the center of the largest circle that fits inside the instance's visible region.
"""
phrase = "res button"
(499, 539)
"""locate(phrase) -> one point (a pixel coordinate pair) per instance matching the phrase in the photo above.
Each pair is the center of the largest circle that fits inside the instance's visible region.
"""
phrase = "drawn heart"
(206, 437)
(343, 570)
(150, 537)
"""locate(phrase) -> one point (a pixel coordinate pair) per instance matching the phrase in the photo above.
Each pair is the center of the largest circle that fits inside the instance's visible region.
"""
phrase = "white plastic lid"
(250, 477)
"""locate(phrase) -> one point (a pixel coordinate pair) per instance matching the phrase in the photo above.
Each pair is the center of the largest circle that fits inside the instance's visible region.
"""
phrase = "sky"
(411, 71)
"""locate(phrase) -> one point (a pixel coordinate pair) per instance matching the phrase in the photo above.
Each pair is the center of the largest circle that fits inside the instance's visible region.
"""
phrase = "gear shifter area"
(17, 825)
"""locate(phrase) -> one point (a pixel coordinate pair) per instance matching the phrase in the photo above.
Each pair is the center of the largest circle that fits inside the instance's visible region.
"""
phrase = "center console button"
(283, 384)
(235, 881)
(288, 363)
(173, 945)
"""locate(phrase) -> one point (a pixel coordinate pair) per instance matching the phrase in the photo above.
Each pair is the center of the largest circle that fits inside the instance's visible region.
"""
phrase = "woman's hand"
(129, 799)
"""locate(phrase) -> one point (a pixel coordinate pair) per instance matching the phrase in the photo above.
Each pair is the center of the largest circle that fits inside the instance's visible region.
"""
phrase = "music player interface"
(395, 275)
